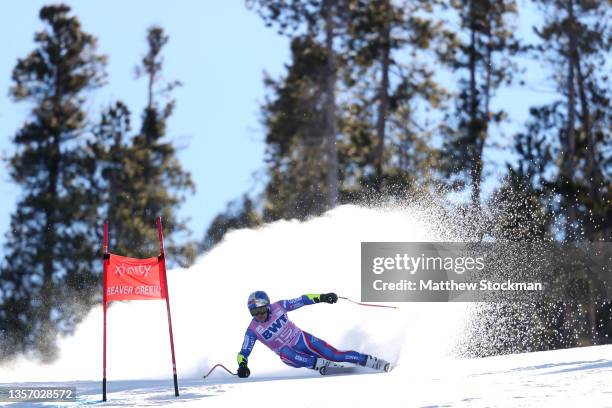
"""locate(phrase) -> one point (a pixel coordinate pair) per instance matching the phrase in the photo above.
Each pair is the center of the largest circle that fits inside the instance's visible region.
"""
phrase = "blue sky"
(219, 51)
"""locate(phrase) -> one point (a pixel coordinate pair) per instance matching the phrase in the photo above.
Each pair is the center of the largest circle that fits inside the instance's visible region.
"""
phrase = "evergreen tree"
(480, 53)
(49, 277)
(560, 186)
(295, 142)
(158, 183)
(385, 46)
(524, 203)
(119, 177)
(322, 22)
(237, 215)
(576, 41)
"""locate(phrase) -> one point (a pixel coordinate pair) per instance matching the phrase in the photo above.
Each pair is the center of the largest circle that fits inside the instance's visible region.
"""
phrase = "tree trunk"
(383, 106)
(49, 233)
(570, 142)
(473, 126)
(330, 106)
(594, 178)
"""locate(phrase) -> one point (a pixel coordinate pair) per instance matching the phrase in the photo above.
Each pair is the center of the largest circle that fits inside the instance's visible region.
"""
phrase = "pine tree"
(143, 175)
(387, 45)
(237, 215)
(524, 203)
(295, 142)
(560, 187)
(576, 41)
(322, 21)
(49, 277)
(118, 176)
(480, 53)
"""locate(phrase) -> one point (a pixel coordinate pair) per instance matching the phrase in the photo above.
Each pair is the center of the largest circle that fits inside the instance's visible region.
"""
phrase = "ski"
(338, 370)
(377, 364)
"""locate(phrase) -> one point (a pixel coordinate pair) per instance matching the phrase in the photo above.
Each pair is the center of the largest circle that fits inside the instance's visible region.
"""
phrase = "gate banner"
(133, 279)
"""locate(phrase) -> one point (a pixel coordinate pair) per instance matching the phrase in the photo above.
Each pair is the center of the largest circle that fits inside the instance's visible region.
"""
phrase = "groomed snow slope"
(287, 259)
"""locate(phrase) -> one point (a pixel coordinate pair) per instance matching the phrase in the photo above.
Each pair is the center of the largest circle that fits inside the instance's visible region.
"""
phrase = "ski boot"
(321, 365)
(377, 364)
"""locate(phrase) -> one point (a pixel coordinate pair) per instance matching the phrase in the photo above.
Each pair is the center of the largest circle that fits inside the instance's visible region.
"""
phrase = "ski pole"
(366, 304)
(218, 365)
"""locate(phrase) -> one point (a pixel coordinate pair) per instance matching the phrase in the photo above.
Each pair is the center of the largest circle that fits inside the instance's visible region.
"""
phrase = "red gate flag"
(135, 279)
(132, 279)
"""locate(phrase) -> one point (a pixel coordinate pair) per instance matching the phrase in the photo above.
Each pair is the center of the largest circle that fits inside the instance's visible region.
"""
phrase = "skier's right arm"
(309, 299)
(243, 357)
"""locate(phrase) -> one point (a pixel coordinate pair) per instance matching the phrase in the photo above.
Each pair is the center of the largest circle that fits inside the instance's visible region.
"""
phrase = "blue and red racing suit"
(295, 347)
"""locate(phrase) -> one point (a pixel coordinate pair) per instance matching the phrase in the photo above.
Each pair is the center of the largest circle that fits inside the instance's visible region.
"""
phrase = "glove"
(329, 297)
(243, 370)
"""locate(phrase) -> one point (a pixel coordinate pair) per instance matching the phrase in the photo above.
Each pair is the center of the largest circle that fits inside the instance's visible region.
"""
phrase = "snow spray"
(286, 259)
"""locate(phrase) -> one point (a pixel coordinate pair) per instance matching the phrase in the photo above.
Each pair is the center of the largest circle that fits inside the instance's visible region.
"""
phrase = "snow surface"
(287, 259)
(562, 378)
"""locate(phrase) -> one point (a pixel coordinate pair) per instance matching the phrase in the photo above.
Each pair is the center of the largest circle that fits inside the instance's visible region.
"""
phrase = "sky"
(216, 119)
(219, 51)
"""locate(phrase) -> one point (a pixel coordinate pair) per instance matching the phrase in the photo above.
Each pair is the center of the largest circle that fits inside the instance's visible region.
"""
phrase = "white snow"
(288, 259)
(562, 378)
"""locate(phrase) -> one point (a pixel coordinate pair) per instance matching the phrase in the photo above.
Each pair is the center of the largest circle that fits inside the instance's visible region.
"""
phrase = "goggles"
(259, 310)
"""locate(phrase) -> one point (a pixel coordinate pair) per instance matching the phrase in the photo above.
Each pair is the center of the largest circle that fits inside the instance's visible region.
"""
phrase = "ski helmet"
(258, 302)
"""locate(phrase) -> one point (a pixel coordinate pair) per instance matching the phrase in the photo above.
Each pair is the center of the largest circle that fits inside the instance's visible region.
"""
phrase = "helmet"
(258, 302)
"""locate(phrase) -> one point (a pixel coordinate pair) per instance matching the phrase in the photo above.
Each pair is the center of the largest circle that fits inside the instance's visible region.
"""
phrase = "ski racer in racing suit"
(295, 347)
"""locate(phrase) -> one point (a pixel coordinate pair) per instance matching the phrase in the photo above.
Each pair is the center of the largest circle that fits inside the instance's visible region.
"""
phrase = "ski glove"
(243, 370)
(329, 297)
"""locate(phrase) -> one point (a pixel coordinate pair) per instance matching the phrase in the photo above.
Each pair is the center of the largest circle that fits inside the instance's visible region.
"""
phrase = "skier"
(295, 347)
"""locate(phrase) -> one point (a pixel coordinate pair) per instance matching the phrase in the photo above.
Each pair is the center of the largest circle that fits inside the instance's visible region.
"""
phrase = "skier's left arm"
(309, 299)
(243, 357)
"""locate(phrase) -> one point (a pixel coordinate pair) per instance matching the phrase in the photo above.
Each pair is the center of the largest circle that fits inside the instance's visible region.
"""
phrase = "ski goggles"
(259, 310)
